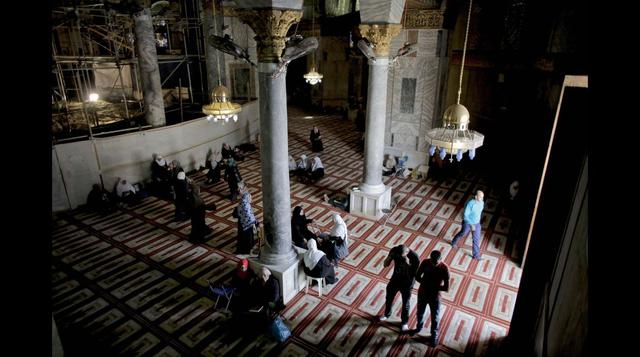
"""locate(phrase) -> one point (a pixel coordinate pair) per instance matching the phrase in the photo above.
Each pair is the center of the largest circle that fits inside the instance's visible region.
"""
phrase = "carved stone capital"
(270, 26)
(380, 35)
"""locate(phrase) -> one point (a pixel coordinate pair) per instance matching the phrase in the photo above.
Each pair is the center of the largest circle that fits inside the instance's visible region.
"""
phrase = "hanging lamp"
(220, 108)
(313, 77)
(454, 137)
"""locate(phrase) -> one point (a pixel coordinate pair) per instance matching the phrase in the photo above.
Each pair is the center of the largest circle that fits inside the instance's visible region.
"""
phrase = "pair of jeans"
(405, 290)
(434, 308)
(466, 227)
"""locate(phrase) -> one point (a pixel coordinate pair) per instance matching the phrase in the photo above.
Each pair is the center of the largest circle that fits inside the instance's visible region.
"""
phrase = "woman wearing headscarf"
(197, 207)
(336, 243)
(241, 282)
(213, 164)
(126, 192)
(246, 220)
(292, 164)
(266, 293)
(316, 139)
(317, 265)
(232, 176)
(303, 166)
(227, 151)
(317, 169)
(182, 196)
(300, 233)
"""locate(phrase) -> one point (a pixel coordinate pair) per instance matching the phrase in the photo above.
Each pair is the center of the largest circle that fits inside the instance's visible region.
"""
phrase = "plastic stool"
(320, 281)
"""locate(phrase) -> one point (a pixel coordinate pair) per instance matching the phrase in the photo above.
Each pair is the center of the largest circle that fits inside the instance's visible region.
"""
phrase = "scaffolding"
(91, 43)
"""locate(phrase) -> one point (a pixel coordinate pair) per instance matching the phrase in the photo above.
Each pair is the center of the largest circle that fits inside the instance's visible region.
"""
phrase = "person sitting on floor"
(316, 140)
(99, 201)
(246, 220)
(303, 167)
(292, 164)
(336, 243)
(241, 282)
(127, 193)
(300, 233)
(317, 170)
(197, 208)
(266, 293)
(316, 264)
(389, 167)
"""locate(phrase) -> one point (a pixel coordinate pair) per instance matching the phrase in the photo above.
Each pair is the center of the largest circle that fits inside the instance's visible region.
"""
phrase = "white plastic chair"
(320, 281)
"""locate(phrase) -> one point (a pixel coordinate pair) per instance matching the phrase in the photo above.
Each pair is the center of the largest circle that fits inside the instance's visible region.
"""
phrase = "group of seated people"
(104, 202)
(256, 298)
(324, 250)
(306, 170)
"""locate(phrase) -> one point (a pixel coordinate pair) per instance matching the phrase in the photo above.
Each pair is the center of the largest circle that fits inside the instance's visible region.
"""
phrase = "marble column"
(376, 116)
(271, 27)
(149, 71)
(373, 196)
(213, 56)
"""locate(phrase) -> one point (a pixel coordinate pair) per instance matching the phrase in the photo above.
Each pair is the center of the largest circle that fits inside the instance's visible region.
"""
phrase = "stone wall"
(414, 92)
(75, 166)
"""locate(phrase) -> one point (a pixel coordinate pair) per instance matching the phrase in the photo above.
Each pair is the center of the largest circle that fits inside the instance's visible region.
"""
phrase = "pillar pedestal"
(290, 275)
(369, 204)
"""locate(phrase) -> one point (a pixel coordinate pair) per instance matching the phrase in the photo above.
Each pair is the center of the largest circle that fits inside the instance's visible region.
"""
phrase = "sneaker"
(382, 318)
(325, 198)
(414, 332)
(405, 328)
(478, 258)
(453, 246)
(434, 341)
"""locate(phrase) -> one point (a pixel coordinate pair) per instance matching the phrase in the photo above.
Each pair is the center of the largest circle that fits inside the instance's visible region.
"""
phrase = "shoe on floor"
(404, 328)
(382, 318)
(414, 332)
(478, 258)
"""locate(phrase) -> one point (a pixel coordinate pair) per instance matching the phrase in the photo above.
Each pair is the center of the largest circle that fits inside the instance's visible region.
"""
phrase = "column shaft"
(374, 136)
(149, 71)
(274, 155)
(213, 56)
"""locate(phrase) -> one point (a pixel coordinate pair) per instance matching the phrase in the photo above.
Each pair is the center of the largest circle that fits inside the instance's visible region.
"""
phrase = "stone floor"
(131, 284)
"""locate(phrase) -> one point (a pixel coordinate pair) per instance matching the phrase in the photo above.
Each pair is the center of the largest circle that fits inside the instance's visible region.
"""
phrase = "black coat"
(316, 142)
(299, 229)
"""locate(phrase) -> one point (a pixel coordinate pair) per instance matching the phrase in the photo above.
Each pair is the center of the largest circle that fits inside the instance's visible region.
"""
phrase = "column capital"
(270, 26)
(380, 35)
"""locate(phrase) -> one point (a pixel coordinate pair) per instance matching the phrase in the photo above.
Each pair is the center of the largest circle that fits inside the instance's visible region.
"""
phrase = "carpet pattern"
(134, 285)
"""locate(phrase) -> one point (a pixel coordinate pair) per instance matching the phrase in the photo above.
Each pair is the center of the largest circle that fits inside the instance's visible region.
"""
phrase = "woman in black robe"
(197, 207)
(316, 139)
(232, 176)
(300, 233)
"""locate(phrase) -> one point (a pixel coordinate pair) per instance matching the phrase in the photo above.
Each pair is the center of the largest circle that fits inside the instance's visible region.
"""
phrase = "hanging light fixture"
(313, 77)
(454, 137)
(221, 108)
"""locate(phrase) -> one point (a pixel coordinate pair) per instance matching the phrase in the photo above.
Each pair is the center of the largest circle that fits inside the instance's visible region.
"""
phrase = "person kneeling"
(316, 264)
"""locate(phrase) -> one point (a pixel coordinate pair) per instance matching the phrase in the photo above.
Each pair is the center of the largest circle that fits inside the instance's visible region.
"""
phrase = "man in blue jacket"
(471, 221)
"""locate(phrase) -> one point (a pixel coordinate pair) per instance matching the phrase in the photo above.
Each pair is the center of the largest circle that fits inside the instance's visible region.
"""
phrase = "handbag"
(279, 330)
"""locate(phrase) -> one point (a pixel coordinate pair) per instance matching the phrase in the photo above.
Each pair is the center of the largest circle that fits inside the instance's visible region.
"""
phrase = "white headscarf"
(292, 163)
(513, 189)
(161, 161)
(313, 255)
(317, 164)
(303, 162)
(124, 187)
(340, 229)
(181, 175)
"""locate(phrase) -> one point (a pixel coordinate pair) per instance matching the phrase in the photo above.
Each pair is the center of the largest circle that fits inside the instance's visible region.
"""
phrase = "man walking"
(471, 221)
(405, 264)
(433, 276)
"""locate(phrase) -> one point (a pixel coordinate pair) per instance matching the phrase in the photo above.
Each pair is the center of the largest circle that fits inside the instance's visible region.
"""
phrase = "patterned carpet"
(131, 284)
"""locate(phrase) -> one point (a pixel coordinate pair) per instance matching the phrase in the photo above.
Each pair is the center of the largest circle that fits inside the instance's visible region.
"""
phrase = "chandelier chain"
(464, 50)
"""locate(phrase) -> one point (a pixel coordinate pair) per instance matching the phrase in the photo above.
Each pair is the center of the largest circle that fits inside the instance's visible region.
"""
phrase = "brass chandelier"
(221, 108)
(313, 77)
(454, 137)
